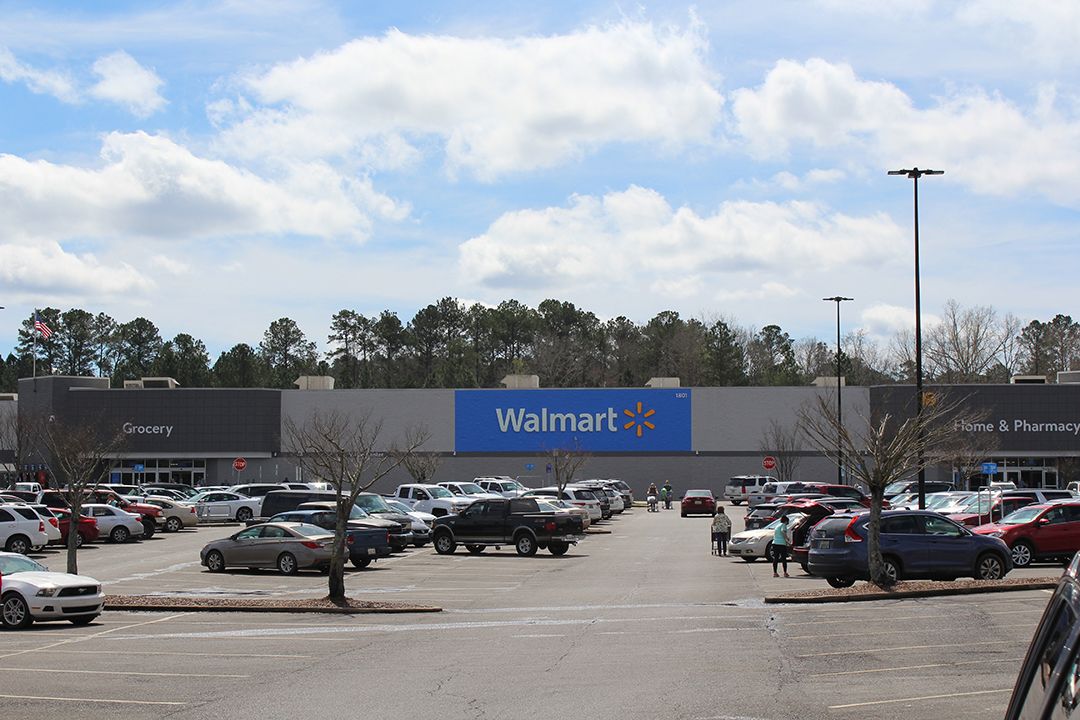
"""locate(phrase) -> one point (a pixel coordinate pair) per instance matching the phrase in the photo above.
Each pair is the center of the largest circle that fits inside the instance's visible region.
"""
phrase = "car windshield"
(373, 503)
(199, 497)
(896, 487)
(938, 500)
(1023, 515)
(399, 506)
(440, 492)
(11, 565)
(698, 493)
(791, 520)
(356, 513)
(977, 503)
(546, 506)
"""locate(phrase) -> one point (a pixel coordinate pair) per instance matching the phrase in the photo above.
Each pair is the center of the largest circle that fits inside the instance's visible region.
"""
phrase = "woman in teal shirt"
(780, 544)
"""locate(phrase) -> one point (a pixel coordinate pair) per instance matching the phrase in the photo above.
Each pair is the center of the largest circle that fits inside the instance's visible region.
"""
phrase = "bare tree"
(422, 466)
(80, 456)
(20, 434)
(965, 344)
(565, 462)
(342, 450)
(881, 452)
(783, 444)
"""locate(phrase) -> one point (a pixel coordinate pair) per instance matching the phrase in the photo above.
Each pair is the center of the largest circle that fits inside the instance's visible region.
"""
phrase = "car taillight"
(349, 539)
(550, 526)
(311, 544)
(849, 532)
(387, 537)
(192, 508)
(54, 523)
(41, 526)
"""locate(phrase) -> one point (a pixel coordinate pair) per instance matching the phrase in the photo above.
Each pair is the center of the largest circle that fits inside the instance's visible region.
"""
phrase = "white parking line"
(1031, 611)
(91, 700)
(119, 672)
(915, 699)
(906, 631)
(915, 667)
(538, 635)
(176, 654)
(80, 638)
(913, 647)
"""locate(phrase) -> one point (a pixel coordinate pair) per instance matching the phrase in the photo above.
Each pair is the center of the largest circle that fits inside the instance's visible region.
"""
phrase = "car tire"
(736, 502)
(361, 563)
(14, 611)
(215, 561)
(444, 544)
(989, 566)
(840, 582)
(558, 548)
(119, 534)
(244, 514)
(1022, 554)
(18, 544)
(525, 544)
(475, 549)
(286, 564)
(749, 558)
(805, 567)
(892, 569)
(173, 524)
(84, 620)
(78, 540)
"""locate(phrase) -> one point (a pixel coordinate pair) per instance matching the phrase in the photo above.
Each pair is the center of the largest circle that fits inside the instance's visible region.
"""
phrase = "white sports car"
(29, 592)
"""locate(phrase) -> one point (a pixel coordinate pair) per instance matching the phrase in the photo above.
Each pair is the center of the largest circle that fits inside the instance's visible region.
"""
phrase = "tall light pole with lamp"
(839, 385)
(915, 174)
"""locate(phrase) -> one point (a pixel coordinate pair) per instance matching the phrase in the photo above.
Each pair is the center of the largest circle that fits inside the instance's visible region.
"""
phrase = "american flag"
(41, 327)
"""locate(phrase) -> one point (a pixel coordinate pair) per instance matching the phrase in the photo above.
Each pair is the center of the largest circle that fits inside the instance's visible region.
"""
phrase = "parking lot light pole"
(915, 174)
(839, 385)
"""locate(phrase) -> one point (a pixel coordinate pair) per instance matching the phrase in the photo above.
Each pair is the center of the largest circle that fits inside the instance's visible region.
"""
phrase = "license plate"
(824, 544)
(697, 502)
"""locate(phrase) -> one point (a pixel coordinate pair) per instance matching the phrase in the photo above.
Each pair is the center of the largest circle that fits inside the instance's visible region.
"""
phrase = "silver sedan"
(288, 546)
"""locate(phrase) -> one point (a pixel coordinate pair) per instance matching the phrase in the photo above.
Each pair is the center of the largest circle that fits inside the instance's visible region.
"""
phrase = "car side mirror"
(1044, 521)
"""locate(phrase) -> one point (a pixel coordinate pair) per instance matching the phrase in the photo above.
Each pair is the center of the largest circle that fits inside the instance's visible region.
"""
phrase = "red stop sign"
(769, 462)
(239, 464)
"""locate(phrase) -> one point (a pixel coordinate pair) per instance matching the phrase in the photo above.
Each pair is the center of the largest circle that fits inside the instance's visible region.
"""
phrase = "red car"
(87, 528)
(698, 502)
(1003, 505)
(1039, 532)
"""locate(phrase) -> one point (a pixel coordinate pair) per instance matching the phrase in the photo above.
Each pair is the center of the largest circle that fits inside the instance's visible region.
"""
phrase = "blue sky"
(215, 166)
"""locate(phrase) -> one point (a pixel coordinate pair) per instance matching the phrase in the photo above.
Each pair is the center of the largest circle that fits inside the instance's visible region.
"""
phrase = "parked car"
(740, 487)
(20, 534)
(751, 545)
(36, 512)
(287, 546)
(624, 490)
(1038, 532)
(1041, 495)
(149, 514)
(914, 544)
(224, 505)
(117, 525)
(422, 522)
(770, 490)
(176, 495)
(987, 509)
(550, 504)
(507, 521)
(183, 489)
(1047, 685)
(501, 485)
(398, 525)
(259, 490)
(468, 490)
(602, 498)
(760, 516)
(177, 515)
(431, 499)
(841, 504)
(912, 486)
(377, 506)
(577, 497)
(86, 528)
(364, 544)
(31, 593)
(698, 502)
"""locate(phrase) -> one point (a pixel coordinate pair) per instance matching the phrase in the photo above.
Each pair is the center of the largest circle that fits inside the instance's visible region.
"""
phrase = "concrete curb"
(599, 531)
(195, 607)
(866, 597)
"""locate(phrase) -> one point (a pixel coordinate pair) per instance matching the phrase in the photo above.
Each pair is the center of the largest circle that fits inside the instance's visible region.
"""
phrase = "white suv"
(469, 490)
(740, 487)
(432, 499)
(579, 497)
(503, 485)
(19, 534)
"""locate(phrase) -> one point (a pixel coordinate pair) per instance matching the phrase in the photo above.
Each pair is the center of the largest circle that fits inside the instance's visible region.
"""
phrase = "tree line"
(450, 344)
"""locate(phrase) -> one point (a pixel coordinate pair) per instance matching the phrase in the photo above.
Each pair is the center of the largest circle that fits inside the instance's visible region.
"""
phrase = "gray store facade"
(694, 437)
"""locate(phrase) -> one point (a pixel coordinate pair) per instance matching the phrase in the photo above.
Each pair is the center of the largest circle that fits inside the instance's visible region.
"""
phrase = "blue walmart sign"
(643, 420)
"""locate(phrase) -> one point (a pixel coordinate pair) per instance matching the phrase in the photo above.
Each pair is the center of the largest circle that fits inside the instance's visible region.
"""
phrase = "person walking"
(721, 531)
(650, 496)
(780, 545)
(666, 490)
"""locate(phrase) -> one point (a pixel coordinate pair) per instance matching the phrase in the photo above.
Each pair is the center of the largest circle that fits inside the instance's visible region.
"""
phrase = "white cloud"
(42, 82)
(149, 186)
(1051, 27)
(495, 105)
(125, 82)
(632, 237)
(982, 140)
(46, 269)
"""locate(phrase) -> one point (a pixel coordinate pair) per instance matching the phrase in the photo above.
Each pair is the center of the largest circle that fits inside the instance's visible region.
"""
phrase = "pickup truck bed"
(507, 521)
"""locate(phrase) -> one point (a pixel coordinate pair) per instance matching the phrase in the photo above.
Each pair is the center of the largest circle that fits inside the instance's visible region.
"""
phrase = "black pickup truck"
(507, 521)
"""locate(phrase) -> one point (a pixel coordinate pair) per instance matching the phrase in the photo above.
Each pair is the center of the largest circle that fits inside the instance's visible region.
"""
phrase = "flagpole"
(34, 331)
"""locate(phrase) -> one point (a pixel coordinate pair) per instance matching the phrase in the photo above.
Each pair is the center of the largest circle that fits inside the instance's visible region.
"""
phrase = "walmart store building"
(694, 437)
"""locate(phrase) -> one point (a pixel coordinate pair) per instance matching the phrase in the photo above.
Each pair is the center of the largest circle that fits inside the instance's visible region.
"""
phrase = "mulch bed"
(864, 591)
(318, 605)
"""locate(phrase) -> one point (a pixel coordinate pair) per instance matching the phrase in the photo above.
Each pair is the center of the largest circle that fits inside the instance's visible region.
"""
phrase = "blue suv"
(914, 544)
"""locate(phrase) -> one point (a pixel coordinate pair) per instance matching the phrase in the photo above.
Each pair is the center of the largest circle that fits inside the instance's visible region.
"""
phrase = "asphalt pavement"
(641, 623)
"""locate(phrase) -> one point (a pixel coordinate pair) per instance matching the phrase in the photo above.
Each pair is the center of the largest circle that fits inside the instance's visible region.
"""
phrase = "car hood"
(991, 527)
(52, 579)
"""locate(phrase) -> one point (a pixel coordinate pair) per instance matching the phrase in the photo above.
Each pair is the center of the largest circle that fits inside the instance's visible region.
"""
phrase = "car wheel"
(475, 549)
(286, 564)
(891, 569)
(173, 524)
(444, 544)
(525, 544)
(840, 582)
(14, 612)
(361, 562)
(683, 514)
(1022, 554)
(79, 540)
(18, 544)
(244, 514)
(215, 561)
(749, 558)
(84, 620)
(119, 534)
(558, 547)
(805, 567)
(736, 502)
(989, 567)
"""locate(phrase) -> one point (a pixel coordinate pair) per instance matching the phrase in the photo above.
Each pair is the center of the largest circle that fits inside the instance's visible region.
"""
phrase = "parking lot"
(639, 623)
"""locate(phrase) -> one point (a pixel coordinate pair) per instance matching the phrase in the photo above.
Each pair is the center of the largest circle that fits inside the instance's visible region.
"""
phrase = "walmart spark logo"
(639, 419)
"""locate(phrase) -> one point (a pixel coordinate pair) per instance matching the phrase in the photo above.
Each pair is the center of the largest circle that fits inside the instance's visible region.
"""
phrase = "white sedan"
(222, 505)
(30, 592)
(753, 544)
